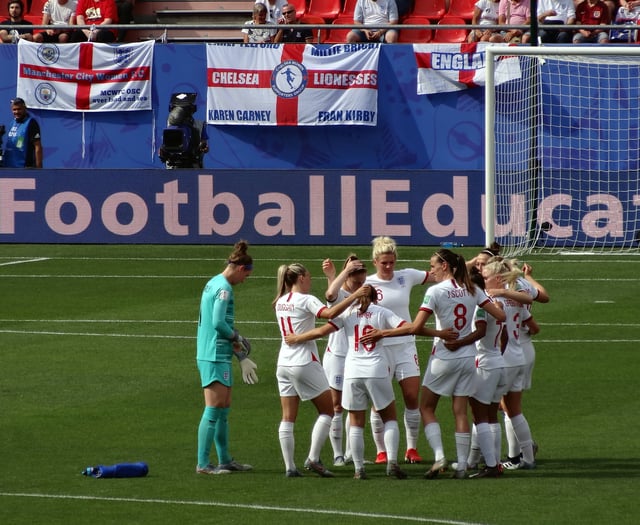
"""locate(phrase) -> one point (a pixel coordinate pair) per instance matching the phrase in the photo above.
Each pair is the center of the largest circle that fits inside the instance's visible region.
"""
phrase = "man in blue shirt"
(24, 148)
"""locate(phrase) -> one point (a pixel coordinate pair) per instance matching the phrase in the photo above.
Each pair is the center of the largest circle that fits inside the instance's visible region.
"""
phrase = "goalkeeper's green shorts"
(212, 371)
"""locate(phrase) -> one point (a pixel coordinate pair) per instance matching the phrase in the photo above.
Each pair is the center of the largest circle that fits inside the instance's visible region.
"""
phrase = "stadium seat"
(35, 9)
(327, 9)
(462, 9)
(339, 36)
(348, 8)
(300, 5)
(433, 9)
(417, 36)
(450, 35)
(319, 35)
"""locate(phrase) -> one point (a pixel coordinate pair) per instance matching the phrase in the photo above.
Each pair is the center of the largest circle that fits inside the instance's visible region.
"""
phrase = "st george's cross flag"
(85, 76)
(292, 84)
(454, 67)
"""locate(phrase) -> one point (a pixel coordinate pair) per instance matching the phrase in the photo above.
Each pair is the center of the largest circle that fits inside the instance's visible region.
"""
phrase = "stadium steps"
(191, 12)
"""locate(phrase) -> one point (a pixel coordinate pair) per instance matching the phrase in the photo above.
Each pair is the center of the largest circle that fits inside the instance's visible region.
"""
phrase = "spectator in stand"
(555, 12)
(627, 15)
(592, 13)
(16, 12)
(258, 35)
(376, 16)
(95, 13)
(274, 10)
(515, 13)
(485, 12)
(57, 13)
(23, 147)
(289, 34)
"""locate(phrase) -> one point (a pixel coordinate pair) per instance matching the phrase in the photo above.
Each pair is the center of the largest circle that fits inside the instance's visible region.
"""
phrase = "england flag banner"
(86, 76)
(292, 84)
(454, 67)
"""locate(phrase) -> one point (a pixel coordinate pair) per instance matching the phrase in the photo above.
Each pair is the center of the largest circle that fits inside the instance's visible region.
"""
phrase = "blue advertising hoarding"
(264, 207)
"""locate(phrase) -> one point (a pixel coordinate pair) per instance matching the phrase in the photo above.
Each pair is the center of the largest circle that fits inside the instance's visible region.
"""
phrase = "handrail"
(190, 27)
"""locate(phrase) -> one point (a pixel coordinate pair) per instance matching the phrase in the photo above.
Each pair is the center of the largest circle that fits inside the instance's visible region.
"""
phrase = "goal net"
(563, 150)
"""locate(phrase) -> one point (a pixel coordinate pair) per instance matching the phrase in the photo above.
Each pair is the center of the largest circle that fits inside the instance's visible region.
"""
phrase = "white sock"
(485, 442)
(434, 437)
(412, 422)
(377, 429)
(391, 440)
(319, 436)
(336, 434)
(356, 441)
(496, 432)
(523, 434)
(287, 444)
(347, 446)
(474, 453)
(513, 447)
(463, 441)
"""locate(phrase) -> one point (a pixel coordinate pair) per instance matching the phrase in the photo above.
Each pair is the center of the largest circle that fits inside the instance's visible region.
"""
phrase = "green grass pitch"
(97, 366)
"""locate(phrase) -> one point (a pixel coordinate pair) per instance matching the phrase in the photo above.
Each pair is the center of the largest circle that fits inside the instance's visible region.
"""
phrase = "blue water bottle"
(450, 244)
(119, 470)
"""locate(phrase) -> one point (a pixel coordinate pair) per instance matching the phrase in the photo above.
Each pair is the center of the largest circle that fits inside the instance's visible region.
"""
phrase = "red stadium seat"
(348, 8)
(319, 35)
(415, 36)
(433, 9)
(339, 36)
(36, 9)
(327, 9)
(450, 35)
(300, 5)
(462, 9)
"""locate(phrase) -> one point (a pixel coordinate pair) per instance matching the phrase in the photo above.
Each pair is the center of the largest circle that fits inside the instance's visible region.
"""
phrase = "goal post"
(562, 150)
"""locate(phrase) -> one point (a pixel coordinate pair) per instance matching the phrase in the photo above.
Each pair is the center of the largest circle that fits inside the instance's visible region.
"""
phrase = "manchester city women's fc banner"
(292, 84)
(86, 76)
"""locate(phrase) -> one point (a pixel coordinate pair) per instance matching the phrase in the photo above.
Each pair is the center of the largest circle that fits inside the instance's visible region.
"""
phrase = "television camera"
(184, 140)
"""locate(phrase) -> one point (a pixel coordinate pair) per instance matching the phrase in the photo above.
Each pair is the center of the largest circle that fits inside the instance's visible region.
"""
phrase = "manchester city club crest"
(48, 54)
(45, 93)
(289, 79)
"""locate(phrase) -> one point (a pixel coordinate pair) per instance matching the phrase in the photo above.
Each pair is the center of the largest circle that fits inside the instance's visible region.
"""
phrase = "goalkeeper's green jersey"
(215, 325)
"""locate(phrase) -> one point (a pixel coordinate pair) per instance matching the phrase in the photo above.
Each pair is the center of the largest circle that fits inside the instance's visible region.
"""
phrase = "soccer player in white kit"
(394, 292)
(534, 291)
(299, 372)
(515, 363)
(449, 373)
(490, 385)
(366, 377)
(339, 287)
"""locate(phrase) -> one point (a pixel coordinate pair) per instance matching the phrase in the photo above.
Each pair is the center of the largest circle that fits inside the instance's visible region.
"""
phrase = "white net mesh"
(567, 154)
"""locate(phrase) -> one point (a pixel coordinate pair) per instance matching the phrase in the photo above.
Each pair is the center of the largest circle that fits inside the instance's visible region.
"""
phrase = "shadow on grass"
(588, 468)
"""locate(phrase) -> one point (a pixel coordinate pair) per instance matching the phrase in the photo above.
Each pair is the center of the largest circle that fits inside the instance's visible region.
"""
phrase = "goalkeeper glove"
(241, 346)
(249, 368)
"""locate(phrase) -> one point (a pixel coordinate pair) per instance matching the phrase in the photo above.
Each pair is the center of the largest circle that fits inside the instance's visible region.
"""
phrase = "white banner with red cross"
(292, 84)
(454, 67)
(85, 76)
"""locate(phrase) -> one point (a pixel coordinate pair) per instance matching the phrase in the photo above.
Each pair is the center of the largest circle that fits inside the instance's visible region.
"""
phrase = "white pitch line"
(254, 277)
(24, 261)
(269, 322)
(242, 506)
(190, 337)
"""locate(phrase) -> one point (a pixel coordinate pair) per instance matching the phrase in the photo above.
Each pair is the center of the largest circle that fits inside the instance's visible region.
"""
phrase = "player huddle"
(482, 356)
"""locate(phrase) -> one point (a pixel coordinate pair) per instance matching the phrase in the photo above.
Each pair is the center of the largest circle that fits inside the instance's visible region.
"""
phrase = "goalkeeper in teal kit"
(218, 342)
